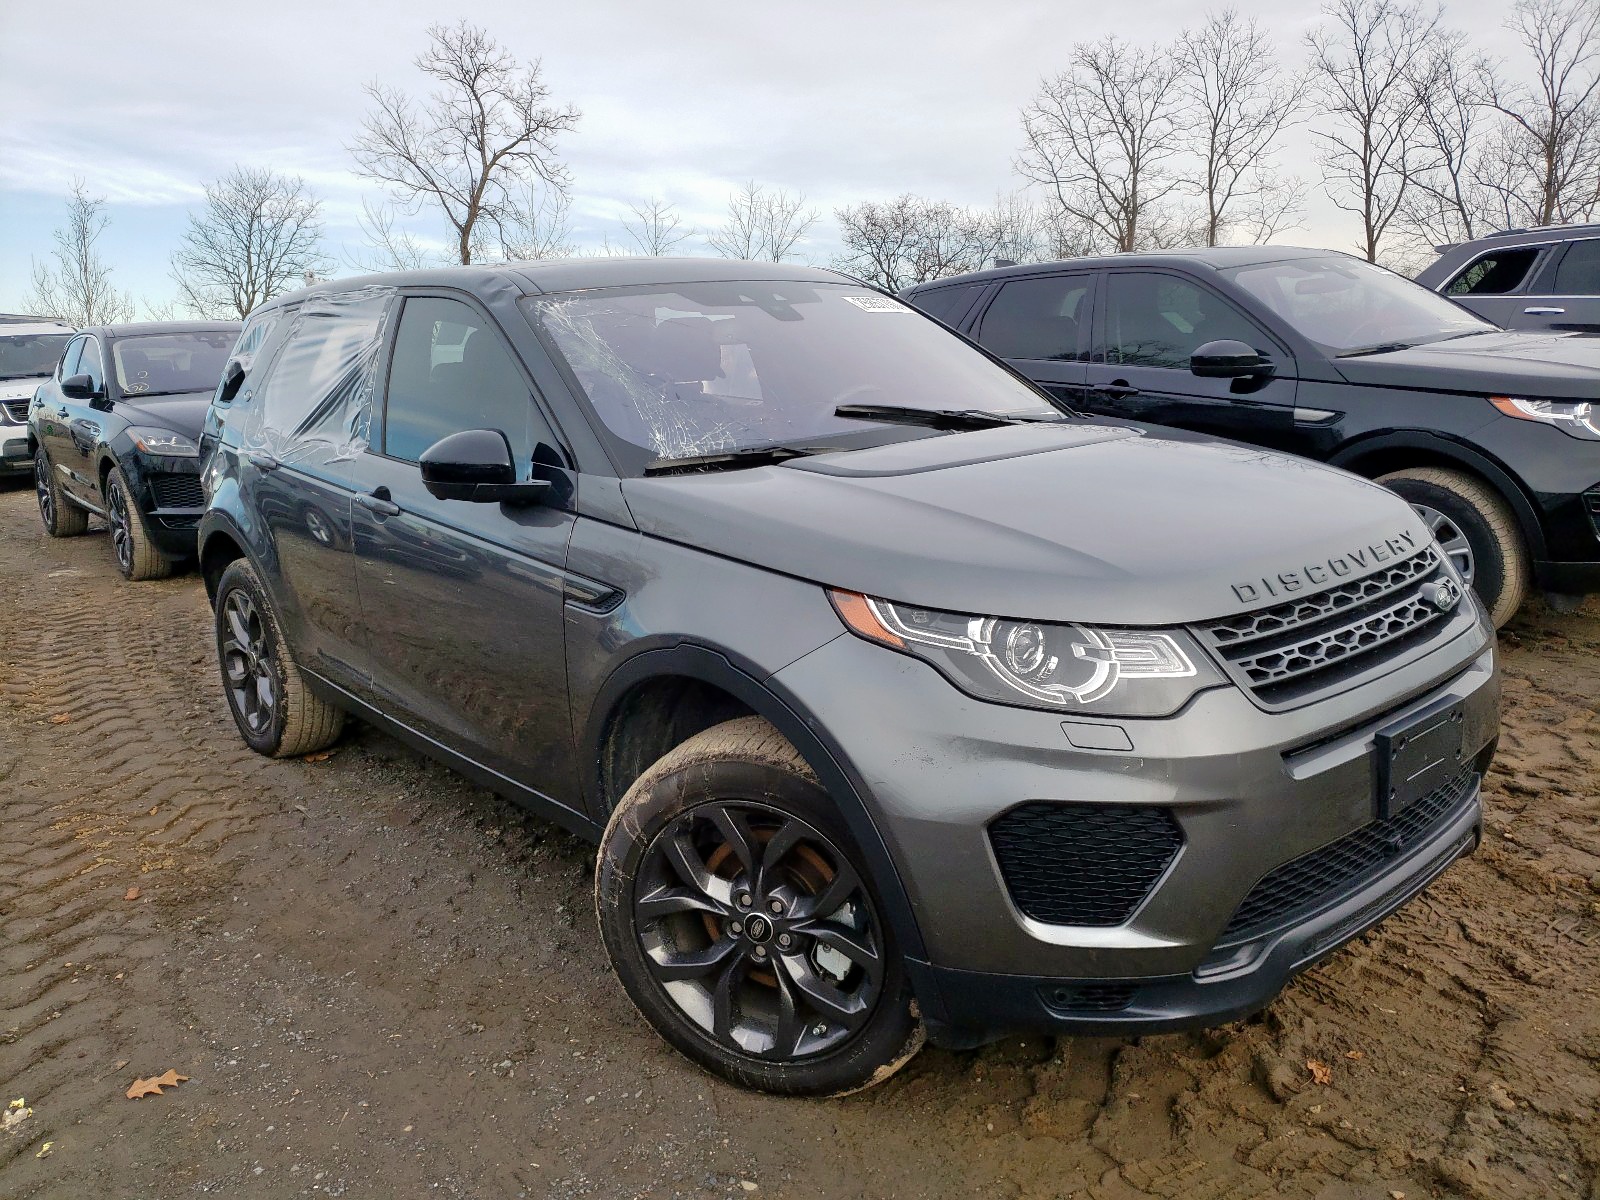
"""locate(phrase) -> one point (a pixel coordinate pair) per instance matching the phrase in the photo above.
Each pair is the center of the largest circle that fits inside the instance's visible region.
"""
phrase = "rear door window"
(1579, 271)
(1496, 273)
(1040, 317)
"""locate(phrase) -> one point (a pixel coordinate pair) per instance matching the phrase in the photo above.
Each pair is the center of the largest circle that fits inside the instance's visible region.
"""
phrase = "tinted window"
(451, 372)
(1160, 320)
(1039, 318)
(69, 361)
(89, 363)
(30, 355)
(1494, 274)
(322, 369)
(1579, 272)
(948, 304)
(167, 364)
(706, 368)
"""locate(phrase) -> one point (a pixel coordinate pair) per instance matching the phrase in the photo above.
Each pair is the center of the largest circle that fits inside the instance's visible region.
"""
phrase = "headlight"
(1577, 417)
(1066, 668)
(163, 441)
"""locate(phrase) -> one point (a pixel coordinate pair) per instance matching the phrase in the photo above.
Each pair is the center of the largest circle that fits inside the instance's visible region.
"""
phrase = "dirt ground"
(384, 982)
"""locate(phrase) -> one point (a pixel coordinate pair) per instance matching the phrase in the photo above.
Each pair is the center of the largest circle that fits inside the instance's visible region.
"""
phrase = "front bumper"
(1250, 791)
(15, 457)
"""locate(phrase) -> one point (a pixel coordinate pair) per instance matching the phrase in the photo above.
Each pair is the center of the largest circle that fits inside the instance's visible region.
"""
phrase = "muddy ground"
(384, 982)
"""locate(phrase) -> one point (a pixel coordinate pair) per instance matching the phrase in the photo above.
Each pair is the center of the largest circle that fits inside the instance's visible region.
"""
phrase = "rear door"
(1151, 323)
(1040, 325)
(1495, 283)
(464, 602)
(1568, 300)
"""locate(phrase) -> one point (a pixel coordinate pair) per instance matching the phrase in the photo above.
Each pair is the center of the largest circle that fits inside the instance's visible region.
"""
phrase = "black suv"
(1544, 278)
(896, 697)
(114, 432)
(1494, 436)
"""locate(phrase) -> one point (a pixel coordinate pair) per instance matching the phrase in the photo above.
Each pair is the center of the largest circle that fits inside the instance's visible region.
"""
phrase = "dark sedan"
(1493, 435)
(114, 433)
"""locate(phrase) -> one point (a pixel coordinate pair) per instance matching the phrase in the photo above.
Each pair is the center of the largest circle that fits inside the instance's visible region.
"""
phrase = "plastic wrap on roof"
(316, 404)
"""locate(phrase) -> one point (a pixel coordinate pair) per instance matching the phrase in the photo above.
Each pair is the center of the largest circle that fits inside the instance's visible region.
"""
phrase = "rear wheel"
(277, 714)
(1476, 530)
(740, 920)
(137, 556)
(61, 517)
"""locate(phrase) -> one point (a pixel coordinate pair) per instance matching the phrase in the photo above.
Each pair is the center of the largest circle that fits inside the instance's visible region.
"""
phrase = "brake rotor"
(811, 874)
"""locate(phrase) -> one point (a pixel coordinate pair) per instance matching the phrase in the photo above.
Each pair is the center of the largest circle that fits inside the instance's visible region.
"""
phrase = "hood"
(183, 414)
(1100, 524)
(20, 389)
(1504, 362)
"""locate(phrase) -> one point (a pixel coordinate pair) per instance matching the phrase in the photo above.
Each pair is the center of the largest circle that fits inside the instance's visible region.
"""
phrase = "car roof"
(14, 325)
(576, 274)
(1206, 258)
(146, 328)
(1531, 235)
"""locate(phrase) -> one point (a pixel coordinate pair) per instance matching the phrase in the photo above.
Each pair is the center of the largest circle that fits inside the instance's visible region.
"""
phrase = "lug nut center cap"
(758, 929)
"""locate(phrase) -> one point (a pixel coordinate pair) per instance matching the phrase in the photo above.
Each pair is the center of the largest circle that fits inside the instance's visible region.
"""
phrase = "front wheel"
(741, 922)
(1476, 530)
(137, 556)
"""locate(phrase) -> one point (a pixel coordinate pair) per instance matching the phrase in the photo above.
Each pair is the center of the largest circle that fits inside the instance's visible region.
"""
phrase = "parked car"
(1546, 278)
(1493, 436)
(29, 350)
(113, 433)
(895, 697)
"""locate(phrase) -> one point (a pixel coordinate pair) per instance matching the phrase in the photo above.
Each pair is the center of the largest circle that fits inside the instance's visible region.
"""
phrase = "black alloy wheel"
(758, 930)
(119, 519)
(41, 487)
(248, 664)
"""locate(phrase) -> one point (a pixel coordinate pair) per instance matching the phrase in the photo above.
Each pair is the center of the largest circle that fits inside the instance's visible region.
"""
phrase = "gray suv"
(30, 347)
(1547, 277)
(902, 701)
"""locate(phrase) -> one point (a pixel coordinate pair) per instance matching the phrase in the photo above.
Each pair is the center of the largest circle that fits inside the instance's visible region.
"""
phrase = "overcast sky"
(845, 101)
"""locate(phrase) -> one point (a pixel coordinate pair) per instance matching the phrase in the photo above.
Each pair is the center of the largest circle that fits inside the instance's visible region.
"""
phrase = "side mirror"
(79, 387)
(476, 465)
(232, 377)
(1229, 360)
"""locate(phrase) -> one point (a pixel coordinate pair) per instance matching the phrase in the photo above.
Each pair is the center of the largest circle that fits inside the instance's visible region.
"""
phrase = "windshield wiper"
(750, 456)
(127, 395)
(1385, 348)
(939, 418)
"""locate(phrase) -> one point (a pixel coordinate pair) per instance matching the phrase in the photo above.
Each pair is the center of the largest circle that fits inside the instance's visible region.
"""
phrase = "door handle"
(1540, 311)
(261, 460)
(1117, 389)
(62, 412)
(377, 501)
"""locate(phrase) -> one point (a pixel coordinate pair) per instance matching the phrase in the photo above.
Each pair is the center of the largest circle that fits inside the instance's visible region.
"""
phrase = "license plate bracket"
(1417, 755)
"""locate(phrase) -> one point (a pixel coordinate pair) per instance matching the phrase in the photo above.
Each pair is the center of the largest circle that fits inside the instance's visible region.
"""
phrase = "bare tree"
(1365, 66)
(1101, 137)
(388, 246)
(656, 227)
(907, 240)
(1227, 74)
(474, 145)
(536, 229)
(1556, 121)
(74, 283)
(763, 225)
(257, 236)
(1446, 200)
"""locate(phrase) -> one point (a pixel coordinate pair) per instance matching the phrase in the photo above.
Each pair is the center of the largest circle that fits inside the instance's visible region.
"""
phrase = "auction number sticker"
(877, 304)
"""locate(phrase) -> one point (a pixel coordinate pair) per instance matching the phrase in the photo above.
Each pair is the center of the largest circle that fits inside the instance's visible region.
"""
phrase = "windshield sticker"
(877, 304)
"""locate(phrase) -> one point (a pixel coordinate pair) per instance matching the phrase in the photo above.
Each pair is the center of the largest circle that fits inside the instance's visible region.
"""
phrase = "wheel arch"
(1383, 453)
(219, 545)
(714, 684)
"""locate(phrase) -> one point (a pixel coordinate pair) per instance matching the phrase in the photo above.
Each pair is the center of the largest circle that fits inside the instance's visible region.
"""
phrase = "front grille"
(1313, 880)
(1099, 997)
(1294, 652)
(18, 409)
(1083, 864)
(178, 491)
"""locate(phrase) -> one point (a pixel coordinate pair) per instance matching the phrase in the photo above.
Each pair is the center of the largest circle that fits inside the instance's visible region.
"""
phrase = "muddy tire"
(61, 517)
(277, 714)
(1477, 530)
(138, 557)
(740, 919)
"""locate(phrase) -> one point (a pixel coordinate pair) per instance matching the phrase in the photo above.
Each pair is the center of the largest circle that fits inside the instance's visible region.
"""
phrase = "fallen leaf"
(131, 894)
(60, 718)
(324, 756)
(154, 809)
(1357, 1055)
(44, 1150)
(153, 1085)
(1321, 1073)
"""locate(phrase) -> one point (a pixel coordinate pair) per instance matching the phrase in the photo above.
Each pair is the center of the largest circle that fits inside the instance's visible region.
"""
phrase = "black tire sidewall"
(1488, 558)
(241, 576)
(855, 1064)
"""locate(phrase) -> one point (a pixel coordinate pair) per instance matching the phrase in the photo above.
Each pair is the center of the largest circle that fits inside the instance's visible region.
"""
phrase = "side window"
(948, 304)
(451, 372)
(319, 382)
(1579, 272)
(89, 363)
(1160, 320)
(69, 360)
(1044, 317)
(1495, 274)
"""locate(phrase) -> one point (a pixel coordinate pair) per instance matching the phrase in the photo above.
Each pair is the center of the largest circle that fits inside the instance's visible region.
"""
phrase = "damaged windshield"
(700, 369)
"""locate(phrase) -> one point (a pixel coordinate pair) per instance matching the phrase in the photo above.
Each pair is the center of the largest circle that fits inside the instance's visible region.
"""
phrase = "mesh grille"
(1293, 652)
(178, 491)
(1083, 864)
(18, 409)
(1312, 880)
(1104, 997)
